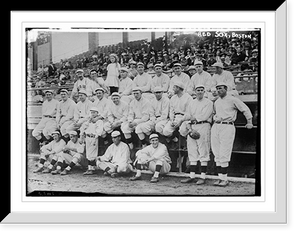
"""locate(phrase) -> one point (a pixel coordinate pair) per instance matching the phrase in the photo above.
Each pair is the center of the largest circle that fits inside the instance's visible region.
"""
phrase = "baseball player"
(143, 81)
(50, 152)
(223, 129)
(125, 86)
(96, 82)
(224, 76)
(160, 79)
(179, 76)
(198, 117)
(156, 157)
(72, 154)
(82, 112)
(138, 119)
(201, 78)
(116, 158)
(82, 83)
(90, 131)
(48, 122)
(132, 72)
(178, 107)
(161, 107)
(102, 104)
(117, 113)
(65, 113)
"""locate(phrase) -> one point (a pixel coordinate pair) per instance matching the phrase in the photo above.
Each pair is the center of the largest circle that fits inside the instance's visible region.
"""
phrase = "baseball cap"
(179, 84)
(94, 109)
(218, 64)
(153, 135)
(73, 133)
(115, 134)
(82, 92)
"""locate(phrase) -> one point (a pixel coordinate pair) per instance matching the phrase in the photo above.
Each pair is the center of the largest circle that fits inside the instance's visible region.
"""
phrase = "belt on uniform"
(198, 122)
(219, 122)
(157, 116)
(179, 114)
(91, 135)
(48, 116)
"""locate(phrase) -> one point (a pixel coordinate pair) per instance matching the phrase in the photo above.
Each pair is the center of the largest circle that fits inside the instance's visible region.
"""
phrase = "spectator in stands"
(238, 56)
(51, 69)
(113, 68)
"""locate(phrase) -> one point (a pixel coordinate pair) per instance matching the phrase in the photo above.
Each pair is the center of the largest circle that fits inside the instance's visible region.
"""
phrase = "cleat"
(188, 180)
(64, 172)
(88, 172)
(46, 171)
(106, 173)
(154, 180)
(38, 170)
(201, 181)
(113, 175)
(223, 183)
(54, 172)
(134, 178)
(217, 183)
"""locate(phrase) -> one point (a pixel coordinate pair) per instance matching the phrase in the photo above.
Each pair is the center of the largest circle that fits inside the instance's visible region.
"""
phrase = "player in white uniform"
(72, 154)
(160, 79)
(91, 130)
(125, 86)
(223, 129)
(161, 107)
(156, 157)
(48, 122)
(198, 117)
(224, 76)
(178, 107)
(82, 112)
(50, 152)
(117, 113)
(65, 113)
(138, 119)
(143, 81)
(181, 77)
(116, 159)
(201, 78)
(82, 83)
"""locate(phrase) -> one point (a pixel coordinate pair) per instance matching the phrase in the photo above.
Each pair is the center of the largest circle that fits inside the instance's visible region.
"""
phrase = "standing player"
(65, 113)
(116, 158)
(223, 129)
(156, 157)
(198, 117)
(50, 152)
(48, 122)
(91, 130)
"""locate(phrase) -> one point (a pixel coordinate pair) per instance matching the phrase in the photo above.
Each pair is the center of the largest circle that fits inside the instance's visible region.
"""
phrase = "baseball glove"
(194, 134)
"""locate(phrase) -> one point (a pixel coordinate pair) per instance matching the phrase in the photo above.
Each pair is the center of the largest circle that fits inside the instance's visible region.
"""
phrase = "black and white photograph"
(143, 112)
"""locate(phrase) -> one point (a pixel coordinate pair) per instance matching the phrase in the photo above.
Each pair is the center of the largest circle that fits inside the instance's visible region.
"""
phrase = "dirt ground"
(98, 184)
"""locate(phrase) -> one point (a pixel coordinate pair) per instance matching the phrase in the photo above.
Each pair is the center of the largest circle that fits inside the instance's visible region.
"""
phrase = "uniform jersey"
(161, 109)
(102, 106)
(125, 86)
(54, 146)
(49, 108)
(204, 78)
(179, 105)
(162, 81)
(225, 77)
(117, 154)
(84, 84)
(117, 112)
(139, 110)
(184, 78)
(75, 147)
(65, 110)
(226, 109)
(201, 110)
(83, 109)
(143, 81)
(159, 153)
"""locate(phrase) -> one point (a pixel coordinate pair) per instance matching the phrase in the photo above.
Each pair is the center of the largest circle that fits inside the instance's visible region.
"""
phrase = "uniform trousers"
(114, 167)
(45, 126)
(145, 127)
(222, 138)
(168, 129)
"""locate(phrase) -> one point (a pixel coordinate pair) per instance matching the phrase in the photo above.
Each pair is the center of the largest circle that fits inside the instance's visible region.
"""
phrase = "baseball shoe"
(38, 170)
(134, 178)
(201, 181)
(54, 172)
(223, 183)
(217, 182)
(47, 170)
(106, 173)
(188, 180)
(64, 172)
(154, 180)
(113, 175)
(88, 172)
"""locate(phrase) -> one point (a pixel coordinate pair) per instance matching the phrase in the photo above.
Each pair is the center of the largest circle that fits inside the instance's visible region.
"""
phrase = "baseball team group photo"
(143, 112)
